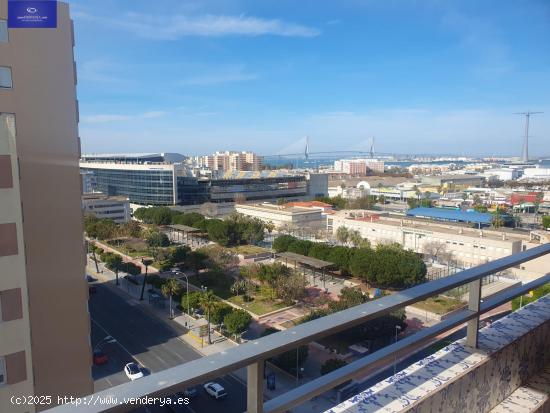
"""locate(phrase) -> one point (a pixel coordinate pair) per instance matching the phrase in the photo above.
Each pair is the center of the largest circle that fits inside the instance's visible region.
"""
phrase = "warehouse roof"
(451, 215)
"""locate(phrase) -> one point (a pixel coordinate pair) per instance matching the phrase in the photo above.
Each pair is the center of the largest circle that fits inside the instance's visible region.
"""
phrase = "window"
(5, 78)
(2, 371)
(3, 31)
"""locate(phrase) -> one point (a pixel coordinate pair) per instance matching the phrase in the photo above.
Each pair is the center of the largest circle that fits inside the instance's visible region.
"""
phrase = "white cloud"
(209, 25)
(229, 74)
(105, 118)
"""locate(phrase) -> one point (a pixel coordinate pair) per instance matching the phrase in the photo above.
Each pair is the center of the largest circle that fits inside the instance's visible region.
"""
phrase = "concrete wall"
(43, 99)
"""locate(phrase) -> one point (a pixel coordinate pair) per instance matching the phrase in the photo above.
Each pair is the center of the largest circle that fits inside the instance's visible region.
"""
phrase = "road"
(154, 344)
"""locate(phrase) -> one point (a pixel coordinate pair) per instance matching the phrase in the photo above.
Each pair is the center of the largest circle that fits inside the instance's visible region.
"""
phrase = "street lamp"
(397, 329)
(187, 294)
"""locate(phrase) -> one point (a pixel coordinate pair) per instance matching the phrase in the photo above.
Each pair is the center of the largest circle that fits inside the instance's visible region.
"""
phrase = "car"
(100, 358)
(190, 392)
(215, 390)
(90, 279)
(133, 371)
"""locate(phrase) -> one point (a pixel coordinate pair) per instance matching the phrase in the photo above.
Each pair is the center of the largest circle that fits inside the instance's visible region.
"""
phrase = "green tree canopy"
(237, 321)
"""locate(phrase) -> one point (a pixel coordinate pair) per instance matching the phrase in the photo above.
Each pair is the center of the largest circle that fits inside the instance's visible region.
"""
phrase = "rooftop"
(452, 215)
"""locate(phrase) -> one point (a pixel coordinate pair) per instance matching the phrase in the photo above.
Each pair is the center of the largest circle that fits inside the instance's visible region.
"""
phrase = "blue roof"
(451, 215)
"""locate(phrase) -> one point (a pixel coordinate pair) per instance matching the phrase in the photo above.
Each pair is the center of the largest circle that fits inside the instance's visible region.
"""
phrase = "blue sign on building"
(32, 14)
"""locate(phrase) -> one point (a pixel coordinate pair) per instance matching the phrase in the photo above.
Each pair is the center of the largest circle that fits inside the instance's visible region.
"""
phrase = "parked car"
(133, 371)
(100, 358)
(190, 392)
(215, 390)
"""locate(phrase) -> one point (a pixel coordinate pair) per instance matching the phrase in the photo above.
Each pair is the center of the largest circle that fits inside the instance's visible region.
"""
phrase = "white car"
(133, 371)
(215, 390)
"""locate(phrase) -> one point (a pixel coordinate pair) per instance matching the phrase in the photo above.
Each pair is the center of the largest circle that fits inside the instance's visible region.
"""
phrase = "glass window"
(5, 78)
(2, 371)
(3, 31)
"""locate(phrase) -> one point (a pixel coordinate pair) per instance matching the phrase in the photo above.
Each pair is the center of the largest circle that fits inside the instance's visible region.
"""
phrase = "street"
(155, 345)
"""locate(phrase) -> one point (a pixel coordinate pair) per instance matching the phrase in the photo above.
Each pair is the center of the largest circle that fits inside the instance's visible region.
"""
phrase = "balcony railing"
(253, 354)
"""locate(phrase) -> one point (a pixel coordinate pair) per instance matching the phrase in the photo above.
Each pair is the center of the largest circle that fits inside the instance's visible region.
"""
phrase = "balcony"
(461, 375)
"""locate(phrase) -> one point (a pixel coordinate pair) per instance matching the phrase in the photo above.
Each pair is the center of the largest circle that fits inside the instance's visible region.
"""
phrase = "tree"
(497, 220)
(546, 221)
(162, 216)
(131, 229)
(114, 263)
(241, 287)
(237, 321)
(146, 262)
(99, 228)
(290, 288)
(207, 301)
(157, 239)
(434, 249)
(219, 312)
(342, 234)
(282, 243)
(194, 300)
(221, 257)
(299, 246)
(348, 297)
(331, 365)
(355, 237)
(169, 289)
(269, 226)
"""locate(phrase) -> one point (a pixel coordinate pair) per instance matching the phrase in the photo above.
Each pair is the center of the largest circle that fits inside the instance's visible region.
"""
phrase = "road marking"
(118, 342)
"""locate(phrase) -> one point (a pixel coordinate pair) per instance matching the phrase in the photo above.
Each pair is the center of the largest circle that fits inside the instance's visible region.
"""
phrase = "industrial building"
(116, 208)
(455, 181)
(44, 321)
(467, 246)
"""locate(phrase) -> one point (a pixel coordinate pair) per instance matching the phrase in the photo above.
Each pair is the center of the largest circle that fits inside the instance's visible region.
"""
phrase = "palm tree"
(116, 263)
(208, 301)
(342, 234)
(169, 289)
(355, 238)
(145, 262)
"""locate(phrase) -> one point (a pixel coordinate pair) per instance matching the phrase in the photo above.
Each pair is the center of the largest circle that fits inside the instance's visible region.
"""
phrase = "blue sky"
(421, 76)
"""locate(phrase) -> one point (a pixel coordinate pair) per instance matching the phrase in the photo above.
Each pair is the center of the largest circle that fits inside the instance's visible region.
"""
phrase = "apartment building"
(359, 166)
(230, 161)
(44, 320)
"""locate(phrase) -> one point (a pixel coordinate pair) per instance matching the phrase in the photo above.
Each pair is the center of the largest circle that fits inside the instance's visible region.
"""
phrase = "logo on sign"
(32, 14)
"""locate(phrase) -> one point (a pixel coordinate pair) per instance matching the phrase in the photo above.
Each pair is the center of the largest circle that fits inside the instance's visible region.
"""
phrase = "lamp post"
(187, 293)
(397, 329)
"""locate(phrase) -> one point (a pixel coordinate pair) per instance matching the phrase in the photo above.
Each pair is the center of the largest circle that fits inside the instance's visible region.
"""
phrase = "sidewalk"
(131, 292)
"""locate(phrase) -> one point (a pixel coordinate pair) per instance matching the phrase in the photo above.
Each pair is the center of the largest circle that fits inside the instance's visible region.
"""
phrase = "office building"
(116, 208)
(146, 182)
(44, 321)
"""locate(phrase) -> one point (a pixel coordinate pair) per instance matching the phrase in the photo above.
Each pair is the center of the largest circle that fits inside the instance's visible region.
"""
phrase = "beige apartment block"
(44, 320)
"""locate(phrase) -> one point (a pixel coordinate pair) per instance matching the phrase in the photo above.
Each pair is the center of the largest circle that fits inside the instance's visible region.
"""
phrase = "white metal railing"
(253, 354)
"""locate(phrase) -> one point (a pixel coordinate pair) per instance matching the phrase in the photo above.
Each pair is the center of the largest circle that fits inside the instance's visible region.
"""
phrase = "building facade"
(465, 245)
(44, 341)
(359, 166)
(282, 216)
(230, 161)
(116, 208)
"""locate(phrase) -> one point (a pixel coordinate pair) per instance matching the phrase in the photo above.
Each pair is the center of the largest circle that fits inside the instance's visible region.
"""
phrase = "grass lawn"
(439, 304)
(258, 305)
(247, 249)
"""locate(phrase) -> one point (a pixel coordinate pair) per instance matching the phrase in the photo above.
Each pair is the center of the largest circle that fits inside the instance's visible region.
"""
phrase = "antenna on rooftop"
(525, 149)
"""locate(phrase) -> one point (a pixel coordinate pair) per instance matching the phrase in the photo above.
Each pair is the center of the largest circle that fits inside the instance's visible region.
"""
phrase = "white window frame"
(3, 372)
(4, 30)
(10, 78)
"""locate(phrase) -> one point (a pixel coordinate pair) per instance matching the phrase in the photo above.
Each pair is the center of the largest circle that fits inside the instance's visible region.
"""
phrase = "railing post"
(255, 387)
(473, 305)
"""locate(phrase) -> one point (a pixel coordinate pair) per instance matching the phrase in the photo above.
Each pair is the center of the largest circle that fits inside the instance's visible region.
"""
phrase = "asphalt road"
(154, 344)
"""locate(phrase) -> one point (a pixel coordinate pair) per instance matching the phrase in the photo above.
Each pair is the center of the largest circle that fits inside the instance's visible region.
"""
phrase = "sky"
(421, 76)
